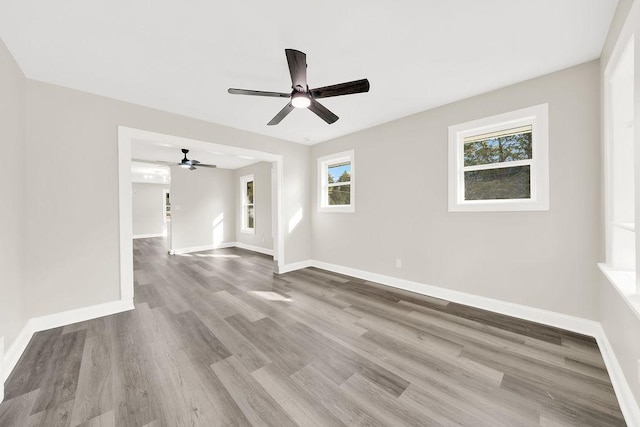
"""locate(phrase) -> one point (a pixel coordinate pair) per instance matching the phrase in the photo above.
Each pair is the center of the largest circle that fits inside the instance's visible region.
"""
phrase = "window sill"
(625, 283)
(347, 209)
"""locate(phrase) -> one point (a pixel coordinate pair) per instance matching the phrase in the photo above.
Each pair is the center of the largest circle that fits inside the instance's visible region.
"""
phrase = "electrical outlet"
(398, 263)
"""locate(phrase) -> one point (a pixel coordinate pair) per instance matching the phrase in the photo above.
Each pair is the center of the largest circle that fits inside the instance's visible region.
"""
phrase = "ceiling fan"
(303, 97)
(184, 163)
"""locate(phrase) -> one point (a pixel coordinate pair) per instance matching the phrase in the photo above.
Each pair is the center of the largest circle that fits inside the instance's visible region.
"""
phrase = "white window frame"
(244, 227)
(536, 116)
(323, 185)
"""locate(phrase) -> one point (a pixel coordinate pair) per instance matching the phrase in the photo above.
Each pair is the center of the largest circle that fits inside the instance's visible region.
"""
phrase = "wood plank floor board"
(62, 382)
(217, 339)
(258, 405)
(93, 395)
(333, 398)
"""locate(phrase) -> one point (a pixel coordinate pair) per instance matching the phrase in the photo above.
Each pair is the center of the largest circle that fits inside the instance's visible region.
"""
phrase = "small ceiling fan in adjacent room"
(303, 97)
(184, 163)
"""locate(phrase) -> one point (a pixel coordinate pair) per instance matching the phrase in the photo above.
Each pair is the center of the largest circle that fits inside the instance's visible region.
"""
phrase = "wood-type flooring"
(217, 339)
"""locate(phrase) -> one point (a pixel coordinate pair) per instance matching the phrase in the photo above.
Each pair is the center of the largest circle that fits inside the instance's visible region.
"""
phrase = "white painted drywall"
(544, 259)
(202, 207)
(73, 214)
(263, 237)
(148, 208)
(619, 321)
(13, 289)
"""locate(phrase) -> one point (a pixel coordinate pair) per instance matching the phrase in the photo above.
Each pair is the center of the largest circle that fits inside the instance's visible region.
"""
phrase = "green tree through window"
(340, 194)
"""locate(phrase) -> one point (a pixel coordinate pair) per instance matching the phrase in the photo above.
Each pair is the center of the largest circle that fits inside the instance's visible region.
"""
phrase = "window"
(336, 180)
(500, 163)
(620, 164)
(247, 205)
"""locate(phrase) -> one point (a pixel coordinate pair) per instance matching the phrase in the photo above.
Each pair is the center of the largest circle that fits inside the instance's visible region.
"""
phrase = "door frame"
(126, 135)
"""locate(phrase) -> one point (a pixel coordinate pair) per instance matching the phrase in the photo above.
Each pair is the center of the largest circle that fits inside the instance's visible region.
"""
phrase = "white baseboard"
(558, 320)
(15, 350)
(2, 368)
(628, 404)
(286, 268)
(222, 246)
(209, 247)
(146, 236)
(253, 248)
(42, 323)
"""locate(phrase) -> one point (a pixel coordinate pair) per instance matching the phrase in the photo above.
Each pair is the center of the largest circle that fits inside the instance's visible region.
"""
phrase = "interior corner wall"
(13, 288)
(148, 208)
(545, 259)
(263, 237)
(202, 207)
(620, 323)
(73, 234)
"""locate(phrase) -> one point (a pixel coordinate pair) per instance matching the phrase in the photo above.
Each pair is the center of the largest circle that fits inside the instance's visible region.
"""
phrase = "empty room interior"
(318, 213)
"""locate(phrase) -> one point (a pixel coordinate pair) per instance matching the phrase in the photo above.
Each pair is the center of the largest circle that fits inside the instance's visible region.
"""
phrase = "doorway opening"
(156, 144)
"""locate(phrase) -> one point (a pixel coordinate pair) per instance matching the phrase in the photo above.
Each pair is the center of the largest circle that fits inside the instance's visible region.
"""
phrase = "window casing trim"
(323, 184)
(244, 228)
(537, 117)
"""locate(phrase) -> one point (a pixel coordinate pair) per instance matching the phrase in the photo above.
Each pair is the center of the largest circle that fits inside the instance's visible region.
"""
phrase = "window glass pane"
(249, 218)
(502, 183)
(339, 172)
(249, 199)
(498, 147)
(340, 195)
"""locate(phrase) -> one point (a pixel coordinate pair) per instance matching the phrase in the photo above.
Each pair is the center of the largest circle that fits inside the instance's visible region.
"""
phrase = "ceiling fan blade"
(192, 168)
(258, 93)
(194, 162)
(356, 86)
(204, 165)
(281, 115)
(297, 68)
(322, 112)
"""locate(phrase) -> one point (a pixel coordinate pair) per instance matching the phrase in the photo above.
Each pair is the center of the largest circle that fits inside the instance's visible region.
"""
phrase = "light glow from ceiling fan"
(300, 100)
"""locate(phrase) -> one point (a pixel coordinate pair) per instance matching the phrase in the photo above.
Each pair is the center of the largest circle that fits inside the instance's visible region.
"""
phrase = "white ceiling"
(182, 56)
(165, 152)
(150, 173)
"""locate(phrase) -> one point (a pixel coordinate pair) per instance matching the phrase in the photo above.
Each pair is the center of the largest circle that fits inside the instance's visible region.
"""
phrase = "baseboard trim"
(628, 404)
(287, 268)
(221, 246)
(147, 236)
(42, 323)
(253, 248)
(209, 247)
(2, 369)
(15, 350)
(551, 318)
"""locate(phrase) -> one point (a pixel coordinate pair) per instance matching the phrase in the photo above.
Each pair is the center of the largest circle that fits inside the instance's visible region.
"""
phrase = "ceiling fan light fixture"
(185, 165)
(300, 100)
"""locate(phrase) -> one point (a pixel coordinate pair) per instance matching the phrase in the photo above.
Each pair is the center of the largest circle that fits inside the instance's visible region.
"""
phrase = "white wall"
(263, 237)
(539, 259)
(12, 187)
(148, 208)
(73, 221)
(202, 207)
(620, 323)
